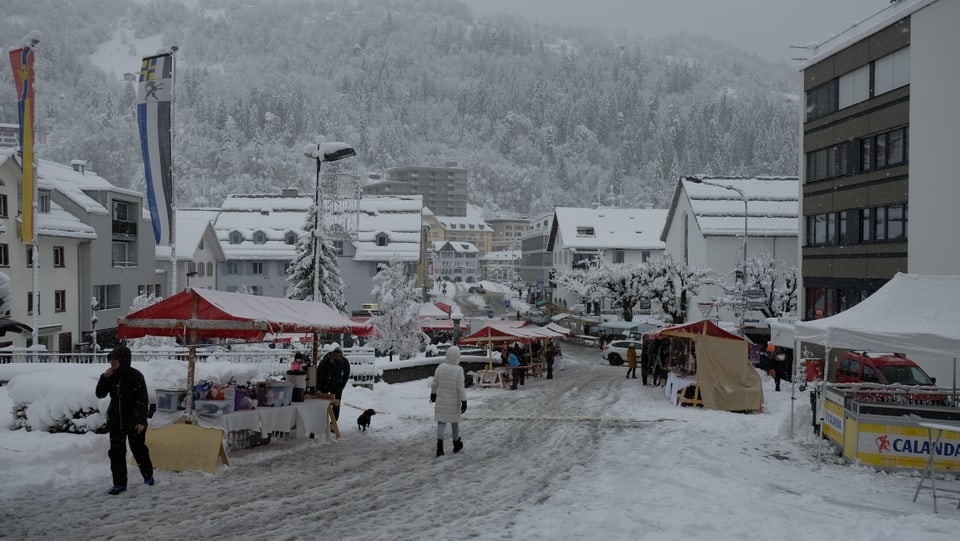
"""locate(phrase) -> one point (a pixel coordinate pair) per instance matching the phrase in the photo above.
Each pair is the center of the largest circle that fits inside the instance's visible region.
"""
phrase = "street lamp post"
(743, 280)
(190, 275)
(324, 152)
(93, 323)
(456, 316)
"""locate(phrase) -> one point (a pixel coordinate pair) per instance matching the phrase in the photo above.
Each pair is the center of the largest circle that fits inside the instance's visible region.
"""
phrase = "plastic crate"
(170, 399)
(274, 394)
(213, 407)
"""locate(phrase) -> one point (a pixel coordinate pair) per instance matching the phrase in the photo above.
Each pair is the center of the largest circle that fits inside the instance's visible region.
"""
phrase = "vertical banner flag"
(22, 62)
(154, 110)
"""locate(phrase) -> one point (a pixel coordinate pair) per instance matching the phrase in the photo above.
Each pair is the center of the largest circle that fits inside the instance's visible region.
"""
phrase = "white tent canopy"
(911, 314)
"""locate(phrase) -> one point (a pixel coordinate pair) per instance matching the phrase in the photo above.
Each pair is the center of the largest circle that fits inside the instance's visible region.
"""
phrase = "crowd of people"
(520, 359)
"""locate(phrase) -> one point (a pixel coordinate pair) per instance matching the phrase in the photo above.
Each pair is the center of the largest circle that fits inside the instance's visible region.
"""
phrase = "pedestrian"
(126, 417)
(646, 359)
(557, 358)
(333, 372)
(513, 361)
(449, 395)
(548, 359)
(631, 361)
(524, 362)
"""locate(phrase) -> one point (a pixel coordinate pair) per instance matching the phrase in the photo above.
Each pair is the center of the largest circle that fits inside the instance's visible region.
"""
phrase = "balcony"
(124, 229)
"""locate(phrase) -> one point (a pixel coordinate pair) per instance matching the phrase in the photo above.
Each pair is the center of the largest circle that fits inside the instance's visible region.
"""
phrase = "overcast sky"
(764, 27)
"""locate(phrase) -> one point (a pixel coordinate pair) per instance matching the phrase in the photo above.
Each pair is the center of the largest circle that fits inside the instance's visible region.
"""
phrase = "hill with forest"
(541, 116)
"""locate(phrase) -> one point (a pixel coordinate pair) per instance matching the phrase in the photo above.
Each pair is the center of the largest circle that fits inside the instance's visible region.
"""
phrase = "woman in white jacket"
(450, 396)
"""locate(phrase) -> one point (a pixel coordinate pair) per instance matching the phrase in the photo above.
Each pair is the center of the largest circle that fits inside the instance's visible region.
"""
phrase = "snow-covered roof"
(772, 205)
(273, 214)
(397, 217)
(502, 256)
(60, 223)
(608, 228)
(191, 224)
(889, 15)
(455, 245)
(6, 154)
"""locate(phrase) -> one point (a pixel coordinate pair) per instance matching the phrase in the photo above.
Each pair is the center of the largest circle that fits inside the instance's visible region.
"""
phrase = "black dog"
(363, 422)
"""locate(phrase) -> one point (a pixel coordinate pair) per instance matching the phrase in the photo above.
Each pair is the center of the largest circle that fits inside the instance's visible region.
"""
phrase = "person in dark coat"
(126, 417)
(333, 372)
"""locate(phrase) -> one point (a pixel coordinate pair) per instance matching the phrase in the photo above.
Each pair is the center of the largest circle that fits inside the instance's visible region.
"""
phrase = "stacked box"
(170, 399)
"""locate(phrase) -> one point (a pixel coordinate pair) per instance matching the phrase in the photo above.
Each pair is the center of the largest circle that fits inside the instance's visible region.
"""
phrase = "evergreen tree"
(396, 325)
(300, 271)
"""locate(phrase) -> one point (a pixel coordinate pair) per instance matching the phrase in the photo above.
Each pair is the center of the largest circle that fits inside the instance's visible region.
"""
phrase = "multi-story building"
(456, 261)
(619, 236)
(706, 224)
(536, 262)
(470, 228)
(507, 233)
(95, 253)
(879, 191)
(388, 229)
(258, 235)
(444, 189)
(9, 135)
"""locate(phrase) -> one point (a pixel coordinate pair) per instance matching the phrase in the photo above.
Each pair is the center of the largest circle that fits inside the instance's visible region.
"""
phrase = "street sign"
(753, 293)
(489, 314)
(506, 303)
(755, 305)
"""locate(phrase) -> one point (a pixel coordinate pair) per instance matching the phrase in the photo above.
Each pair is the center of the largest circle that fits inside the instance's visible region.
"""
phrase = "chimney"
(79, 165)
(289, 192)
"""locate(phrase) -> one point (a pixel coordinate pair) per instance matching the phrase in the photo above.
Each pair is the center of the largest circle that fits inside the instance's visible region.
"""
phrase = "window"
(337, 247)
(897, 146)
(43, 201)
(880, 151)
(865, 229)
(232, 267)
(123, 254)
(4, 255)
(382, 239)
(108, 296)
(257, 267)
(4, 210)
(200, 269)
(236, 237)
(60, 300)
(869, 374)
(256, 290)
(822, 100)
(891, 71)
(585, 232)
(259, 237)
(191, 267)
(58, 259)
(645, 256)
(121, 211)
(209, 268)
(866, 154)
(30, 303)
(854, 87)
(290, 238)
(618, 256)
(29, 256)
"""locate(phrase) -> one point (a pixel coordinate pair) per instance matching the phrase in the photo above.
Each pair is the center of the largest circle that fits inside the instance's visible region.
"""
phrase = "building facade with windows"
(470, 229)
(879, 190)
(536, 262)
(618, 236)
(456, 261)
(258, 237)
(507, 233)
(705, 227)
(444, 189)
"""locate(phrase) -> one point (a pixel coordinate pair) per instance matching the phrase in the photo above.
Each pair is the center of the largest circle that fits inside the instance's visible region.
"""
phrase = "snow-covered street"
(587, 455)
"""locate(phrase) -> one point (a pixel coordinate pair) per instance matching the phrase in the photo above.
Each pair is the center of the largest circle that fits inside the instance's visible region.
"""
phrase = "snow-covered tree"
(670, 285)
(396, 325)
(300, 271)
(623, 285)
(5, 294)
(776, 281)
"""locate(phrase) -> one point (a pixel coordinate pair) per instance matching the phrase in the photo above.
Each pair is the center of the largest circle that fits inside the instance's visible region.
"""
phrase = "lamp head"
(335, 151)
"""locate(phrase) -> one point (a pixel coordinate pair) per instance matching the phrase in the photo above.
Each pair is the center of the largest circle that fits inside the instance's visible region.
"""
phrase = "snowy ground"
(588, 455)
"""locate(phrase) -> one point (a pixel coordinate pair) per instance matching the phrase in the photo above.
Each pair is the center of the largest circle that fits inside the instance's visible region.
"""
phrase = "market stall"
(717, 359)
(204, 313)
(911, 314)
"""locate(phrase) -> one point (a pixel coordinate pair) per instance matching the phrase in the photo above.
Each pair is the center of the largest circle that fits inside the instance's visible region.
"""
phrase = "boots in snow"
(439, 447)
(457, 445)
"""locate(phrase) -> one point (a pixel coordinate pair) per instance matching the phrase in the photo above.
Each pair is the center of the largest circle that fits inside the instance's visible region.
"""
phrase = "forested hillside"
(540, 116)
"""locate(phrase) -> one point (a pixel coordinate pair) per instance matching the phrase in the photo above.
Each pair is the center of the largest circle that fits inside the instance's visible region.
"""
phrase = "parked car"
(615, 352)
(476, 289)
(888, 369)
(537, 317)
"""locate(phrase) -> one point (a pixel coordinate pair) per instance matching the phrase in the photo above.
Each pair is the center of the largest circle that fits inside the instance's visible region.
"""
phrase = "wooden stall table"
(929, 471)
(675, 384)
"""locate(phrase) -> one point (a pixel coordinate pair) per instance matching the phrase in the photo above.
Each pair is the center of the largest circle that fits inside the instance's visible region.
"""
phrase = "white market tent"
(911, 314)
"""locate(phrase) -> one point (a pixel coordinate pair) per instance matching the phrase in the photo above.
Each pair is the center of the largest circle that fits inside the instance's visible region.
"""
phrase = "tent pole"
(192, 355)
(821, 402)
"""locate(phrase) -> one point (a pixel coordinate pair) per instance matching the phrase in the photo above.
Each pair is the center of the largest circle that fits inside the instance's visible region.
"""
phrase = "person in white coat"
(449, 395)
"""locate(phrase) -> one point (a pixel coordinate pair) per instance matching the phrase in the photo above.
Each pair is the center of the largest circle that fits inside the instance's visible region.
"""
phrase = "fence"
(271, 362)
